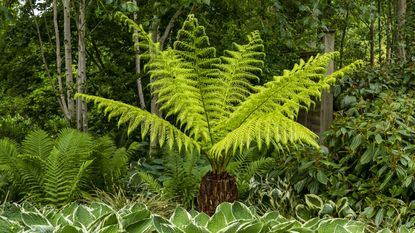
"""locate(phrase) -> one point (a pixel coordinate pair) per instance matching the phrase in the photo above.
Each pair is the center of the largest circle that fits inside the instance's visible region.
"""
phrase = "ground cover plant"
(99, 217)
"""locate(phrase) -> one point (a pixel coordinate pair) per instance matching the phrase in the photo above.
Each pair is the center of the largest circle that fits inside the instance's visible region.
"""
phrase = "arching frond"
(145, 41)
(239, 70)
(37, 144)
(134, 116)
(192, 45)
(267, 129)
(176, 88)
(288, 93)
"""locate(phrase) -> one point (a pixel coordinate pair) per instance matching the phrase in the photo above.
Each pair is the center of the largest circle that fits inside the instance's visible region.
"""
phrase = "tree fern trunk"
(215, 189)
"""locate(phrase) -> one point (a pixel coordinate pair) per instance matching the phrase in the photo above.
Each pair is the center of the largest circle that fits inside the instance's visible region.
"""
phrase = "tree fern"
(219, 111)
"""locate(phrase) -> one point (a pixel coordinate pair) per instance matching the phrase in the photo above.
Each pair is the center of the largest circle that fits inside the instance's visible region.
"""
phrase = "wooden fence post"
(326, 112)
(319, 119)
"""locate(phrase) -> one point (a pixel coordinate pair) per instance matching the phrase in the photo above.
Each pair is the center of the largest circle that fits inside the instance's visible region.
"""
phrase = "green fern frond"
(37, 144)
(152, 184)
(145, 39)
(288, 93)
(57, 180)
(239, 69)
(176, 88)
(192, 45)
(134, 116)
(8, 155)
(268, 129)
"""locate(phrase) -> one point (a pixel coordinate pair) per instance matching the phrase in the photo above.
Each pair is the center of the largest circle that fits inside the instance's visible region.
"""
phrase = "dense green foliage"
(56, 171)
(98, 217)
(231, 104)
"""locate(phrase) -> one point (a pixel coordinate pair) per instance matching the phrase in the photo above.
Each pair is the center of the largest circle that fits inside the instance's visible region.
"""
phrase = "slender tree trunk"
(140, 92)
(63, 102)
(389, 33)
(346, 24)
(68, 58)
(372, 42)
(400, 14)
(380, 30)
(82, 118)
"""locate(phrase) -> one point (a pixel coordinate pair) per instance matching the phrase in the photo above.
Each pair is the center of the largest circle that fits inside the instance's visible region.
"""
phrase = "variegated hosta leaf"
(99, 217)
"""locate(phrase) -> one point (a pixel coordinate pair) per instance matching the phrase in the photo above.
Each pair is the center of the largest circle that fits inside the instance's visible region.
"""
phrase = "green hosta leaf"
(285, 226)
(135, 217)
(302, 212)
(180, 217)
(249, 227)
(333, 225)
(8, 226)
(217, 222)
(192, 228)
(110, 220)
(140, 226)
(226, 209)
(83, 216)
(240, 211)
(164, 228)
(158, 222)
(31, 219)
(68, 229)
(110, 229)
(100, 209)
(232, 227)
(314, 202)
(327, 209)
(201, 219)
(269, 216)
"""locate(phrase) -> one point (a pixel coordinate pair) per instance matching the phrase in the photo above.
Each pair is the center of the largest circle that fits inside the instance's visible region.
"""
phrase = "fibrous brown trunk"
(214, 189)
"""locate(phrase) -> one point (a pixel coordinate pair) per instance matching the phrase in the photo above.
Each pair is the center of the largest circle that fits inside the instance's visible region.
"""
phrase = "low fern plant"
(57, 171)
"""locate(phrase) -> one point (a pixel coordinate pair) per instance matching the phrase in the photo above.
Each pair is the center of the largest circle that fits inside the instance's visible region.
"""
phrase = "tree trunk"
(400, 14)
(372, 42)
(342, 41)
(81, 108)
(68, 58)
(215, 189)
(140, 92)
(63, 102)
(389, 38)
(380, 30)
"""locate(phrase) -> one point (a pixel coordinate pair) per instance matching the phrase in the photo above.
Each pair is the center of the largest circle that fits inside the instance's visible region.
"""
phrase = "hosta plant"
(212, 105)
(136, 218)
